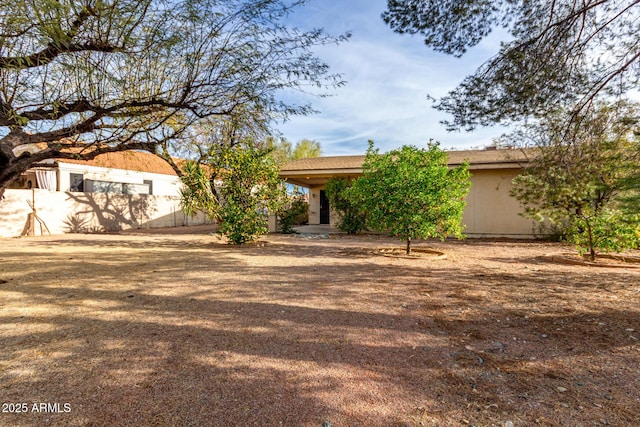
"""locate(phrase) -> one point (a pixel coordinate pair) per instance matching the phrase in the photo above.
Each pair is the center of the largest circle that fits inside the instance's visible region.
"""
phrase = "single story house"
(114, 191)
(125, 172)
(490, 212)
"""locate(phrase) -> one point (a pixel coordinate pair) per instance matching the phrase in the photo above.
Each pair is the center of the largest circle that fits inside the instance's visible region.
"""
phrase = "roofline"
(332, 171)
(85, 165)
(507, 164)
(504, 163)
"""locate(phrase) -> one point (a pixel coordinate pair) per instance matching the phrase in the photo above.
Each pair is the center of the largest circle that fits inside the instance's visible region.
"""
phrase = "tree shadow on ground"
(189, 337)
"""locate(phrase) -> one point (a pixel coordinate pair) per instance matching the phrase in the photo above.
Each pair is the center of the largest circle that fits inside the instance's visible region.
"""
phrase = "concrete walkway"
(317, 229)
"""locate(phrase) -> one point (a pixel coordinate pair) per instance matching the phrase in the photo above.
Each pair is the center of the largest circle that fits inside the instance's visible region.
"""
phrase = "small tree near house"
(585, 181)
(241, 189)
(412, 193)
(352, 217)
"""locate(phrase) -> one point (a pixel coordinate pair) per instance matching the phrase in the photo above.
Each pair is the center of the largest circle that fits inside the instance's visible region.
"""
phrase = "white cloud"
(389, 78)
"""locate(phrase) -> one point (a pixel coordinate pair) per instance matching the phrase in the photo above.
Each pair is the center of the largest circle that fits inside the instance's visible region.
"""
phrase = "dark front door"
(324, 208)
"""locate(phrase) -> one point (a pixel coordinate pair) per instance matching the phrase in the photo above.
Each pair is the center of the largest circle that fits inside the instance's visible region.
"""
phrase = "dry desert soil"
(183, 330)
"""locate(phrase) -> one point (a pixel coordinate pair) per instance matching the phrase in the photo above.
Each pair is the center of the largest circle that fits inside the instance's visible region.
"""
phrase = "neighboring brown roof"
(139, 161)
(475, 157)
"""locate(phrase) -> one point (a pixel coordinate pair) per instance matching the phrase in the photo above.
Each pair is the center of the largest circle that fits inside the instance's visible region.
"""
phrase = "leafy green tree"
(243, 188)
(283, 152)
(305, 149)
(584, 181)
(352, 217)
(281, 149)
(558, 52)
(412, 193)
(211, 134)
(83, 77)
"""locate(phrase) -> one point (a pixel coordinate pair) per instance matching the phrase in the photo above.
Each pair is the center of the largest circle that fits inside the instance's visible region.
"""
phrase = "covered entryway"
(314, 173)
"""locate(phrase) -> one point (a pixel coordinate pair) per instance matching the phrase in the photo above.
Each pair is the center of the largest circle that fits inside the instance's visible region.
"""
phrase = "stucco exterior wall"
(163, 185)
(490, 210)
(314, 205)
(65, 212)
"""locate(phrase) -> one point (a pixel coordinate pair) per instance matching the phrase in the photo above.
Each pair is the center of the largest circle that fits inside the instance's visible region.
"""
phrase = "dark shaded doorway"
(324, 208)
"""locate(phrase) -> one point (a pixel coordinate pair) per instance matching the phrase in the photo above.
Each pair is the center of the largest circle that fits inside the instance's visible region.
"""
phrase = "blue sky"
(389, 77)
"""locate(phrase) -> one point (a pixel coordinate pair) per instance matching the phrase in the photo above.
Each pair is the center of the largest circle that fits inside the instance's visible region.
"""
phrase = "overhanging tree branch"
(564, 52)
(128, 69)
(47, 55)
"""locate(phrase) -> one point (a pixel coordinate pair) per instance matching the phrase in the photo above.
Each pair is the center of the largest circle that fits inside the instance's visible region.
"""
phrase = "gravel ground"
(183, 330)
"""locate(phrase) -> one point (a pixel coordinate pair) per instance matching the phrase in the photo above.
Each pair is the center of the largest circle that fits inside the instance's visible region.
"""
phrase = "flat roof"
(474, 157)
(317, 170)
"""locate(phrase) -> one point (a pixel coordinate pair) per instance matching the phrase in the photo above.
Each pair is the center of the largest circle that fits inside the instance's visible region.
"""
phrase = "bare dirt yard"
(183, 330)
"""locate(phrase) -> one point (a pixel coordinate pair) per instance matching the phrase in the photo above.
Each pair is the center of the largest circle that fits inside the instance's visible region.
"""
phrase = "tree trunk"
(408, 245)
(11, 167)
(592, 251)
(9, 173)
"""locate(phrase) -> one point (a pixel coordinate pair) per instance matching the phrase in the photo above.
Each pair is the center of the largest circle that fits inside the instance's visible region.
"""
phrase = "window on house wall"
(150, 184)
(113, 187)
(76, 181)
(96, 186)
(135, 188)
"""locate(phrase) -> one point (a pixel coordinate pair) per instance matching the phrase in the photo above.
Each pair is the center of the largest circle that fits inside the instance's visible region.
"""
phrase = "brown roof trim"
(325, 163)
(478, 159)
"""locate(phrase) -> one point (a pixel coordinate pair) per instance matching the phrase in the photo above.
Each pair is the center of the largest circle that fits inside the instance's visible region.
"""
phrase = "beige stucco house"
(490, 211)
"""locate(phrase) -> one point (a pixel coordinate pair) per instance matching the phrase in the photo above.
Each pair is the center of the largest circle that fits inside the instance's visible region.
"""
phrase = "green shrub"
(352, 217)
(296, 212)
